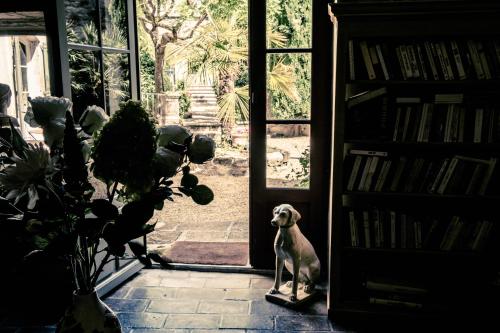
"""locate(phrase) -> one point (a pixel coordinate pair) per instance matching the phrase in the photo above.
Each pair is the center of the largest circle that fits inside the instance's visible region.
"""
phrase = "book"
(352, 74)
(367, 60)
(475, 59)
(371, 172)
(386, 166)
(365, 96)
(431, 61)
(400, 167)
(478, 125)
(447, 176)
(484, 62)
(458, 60)
(366, 229)
(452, 232)
(403, 231)
(353, 227)
(393, 221)
(364, 173)
(383, 64)
(398, 303)
(354, 172)
(439, 175)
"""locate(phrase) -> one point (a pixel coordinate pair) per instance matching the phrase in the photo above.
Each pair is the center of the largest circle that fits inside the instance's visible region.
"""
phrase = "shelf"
(386, 195)
(416, 252)
(427, 146)
(449, 83)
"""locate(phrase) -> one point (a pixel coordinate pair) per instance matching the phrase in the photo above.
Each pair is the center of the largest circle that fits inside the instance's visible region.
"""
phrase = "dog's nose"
(273, 223)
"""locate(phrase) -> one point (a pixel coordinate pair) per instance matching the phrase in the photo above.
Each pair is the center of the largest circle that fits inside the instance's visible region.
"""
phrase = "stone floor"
(161, 301)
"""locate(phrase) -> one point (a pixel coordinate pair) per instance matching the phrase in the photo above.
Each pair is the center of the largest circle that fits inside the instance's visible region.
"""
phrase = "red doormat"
(207, 253)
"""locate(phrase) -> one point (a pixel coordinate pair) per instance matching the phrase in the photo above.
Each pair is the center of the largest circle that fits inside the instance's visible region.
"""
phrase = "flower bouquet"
(48, 187)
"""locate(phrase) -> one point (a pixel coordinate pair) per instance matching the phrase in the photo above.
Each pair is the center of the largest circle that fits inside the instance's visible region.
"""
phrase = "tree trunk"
(226, 86)
(159, 61)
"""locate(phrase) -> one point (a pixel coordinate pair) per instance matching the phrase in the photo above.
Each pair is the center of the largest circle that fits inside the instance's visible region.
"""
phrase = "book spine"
(439, 176)
(392, 215)
(402, 223)
(487, 177)
(352, 74)
(446, 179)
(418, 234)
(398, 303)
(483, 60)
(476, 61)
(478, 125)
(354, 172)
(382, 61)
(421, 61)
(458, 60)
(413, 61)
(430, 57)
(396, 135)
(442, 63)
(361, 184)
(397, 174)
(371, 172)
(406, 61)
(447, 61)
(383, 176)
(376, 228)
(366, 228)
(367, 60)
(353, 228)
(445, 241)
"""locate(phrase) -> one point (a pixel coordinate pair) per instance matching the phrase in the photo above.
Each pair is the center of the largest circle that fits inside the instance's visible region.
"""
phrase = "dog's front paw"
(309, 288)
(289, 284)
(293, 298)
(273, 291)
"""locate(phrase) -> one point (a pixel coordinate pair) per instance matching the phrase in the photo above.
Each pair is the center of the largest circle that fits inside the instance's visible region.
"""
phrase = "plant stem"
(111, 195)
(99, 270)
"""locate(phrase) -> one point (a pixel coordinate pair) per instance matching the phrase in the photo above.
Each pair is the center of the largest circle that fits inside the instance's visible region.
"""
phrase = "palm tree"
(221, 49)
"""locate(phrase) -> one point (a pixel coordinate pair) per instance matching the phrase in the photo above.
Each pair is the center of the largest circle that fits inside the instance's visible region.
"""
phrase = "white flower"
(172, 133)
(28, 175)
(93, 119)
(201, 150)
(47, 109)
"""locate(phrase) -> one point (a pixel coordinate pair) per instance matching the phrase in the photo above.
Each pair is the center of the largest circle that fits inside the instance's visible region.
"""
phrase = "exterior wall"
(6, 69)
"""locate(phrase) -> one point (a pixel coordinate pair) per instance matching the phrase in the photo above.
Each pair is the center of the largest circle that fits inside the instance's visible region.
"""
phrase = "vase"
(88, 314)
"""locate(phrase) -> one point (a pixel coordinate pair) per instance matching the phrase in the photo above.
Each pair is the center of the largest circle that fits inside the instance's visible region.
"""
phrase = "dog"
(293, 251)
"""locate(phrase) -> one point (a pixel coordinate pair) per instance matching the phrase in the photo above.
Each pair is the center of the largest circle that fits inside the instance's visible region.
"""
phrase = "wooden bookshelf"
(454, 276)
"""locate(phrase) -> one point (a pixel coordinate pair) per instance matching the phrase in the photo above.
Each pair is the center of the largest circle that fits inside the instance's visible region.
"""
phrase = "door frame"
(317, 197)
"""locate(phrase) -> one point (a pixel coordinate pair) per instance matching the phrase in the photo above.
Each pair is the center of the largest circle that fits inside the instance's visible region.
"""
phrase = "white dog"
(294, 251)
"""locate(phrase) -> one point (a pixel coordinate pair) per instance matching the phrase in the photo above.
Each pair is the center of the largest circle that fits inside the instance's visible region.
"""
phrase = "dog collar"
(286, 226)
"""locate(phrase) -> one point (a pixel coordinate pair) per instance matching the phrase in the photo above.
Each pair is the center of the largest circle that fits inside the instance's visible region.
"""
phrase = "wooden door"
(290, 135)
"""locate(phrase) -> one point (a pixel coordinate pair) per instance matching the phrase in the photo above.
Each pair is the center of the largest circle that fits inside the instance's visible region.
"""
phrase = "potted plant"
(51, 186)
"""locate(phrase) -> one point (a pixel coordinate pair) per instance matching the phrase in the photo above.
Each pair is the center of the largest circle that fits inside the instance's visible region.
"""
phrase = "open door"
(290, 127)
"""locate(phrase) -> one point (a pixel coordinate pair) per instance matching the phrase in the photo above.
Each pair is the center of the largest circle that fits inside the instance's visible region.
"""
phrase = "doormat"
(206, 253)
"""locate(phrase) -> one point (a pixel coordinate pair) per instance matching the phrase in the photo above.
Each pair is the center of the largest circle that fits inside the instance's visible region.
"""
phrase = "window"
(101, 53)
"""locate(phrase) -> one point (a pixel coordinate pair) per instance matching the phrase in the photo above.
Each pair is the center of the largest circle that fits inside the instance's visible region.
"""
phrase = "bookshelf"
(416, 171)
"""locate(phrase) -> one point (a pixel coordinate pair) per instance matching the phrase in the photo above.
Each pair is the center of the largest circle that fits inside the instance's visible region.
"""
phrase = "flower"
(93, 119)
(29, 175)
(50, 114)
(166, 162)
(46, 109)
(201, 150)
(172, 133)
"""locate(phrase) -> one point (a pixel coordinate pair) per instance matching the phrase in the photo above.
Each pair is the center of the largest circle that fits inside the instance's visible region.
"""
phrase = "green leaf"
(137, 212)
(159, 205)
(189, 180)
(202, 195)
(104, 209)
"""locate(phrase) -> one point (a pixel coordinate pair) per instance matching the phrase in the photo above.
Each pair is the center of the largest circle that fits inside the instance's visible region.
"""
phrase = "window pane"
(117, 81)
(288, 86)
(114, 23)
(289, 23)
(86, 82)
(287, 149)
(81, 21)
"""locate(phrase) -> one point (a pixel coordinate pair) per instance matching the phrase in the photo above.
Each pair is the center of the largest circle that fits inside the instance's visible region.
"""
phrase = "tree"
(166, 22)
(221, 48)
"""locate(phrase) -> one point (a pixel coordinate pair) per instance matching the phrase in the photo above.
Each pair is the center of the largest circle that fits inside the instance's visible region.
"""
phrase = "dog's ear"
(295, 215)
(275, 209)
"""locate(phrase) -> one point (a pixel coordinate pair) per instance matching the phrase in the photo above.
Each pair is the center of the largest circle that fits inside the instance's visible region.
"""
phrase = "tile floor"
(161, 301)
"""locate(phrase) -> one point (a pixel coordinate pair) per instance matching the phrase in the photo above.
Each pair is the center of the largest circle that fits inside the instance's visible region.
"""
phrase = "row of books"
(376, 171)
(395, 293)
(444, 118)
(450, 59)
(382, 228)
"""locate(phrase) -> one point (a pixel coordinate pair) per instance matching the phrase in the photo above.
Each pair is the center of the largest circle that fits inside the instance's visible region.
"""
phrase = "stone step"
(204, 100)
(204, 109)
(204, 115)
(204, 104)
